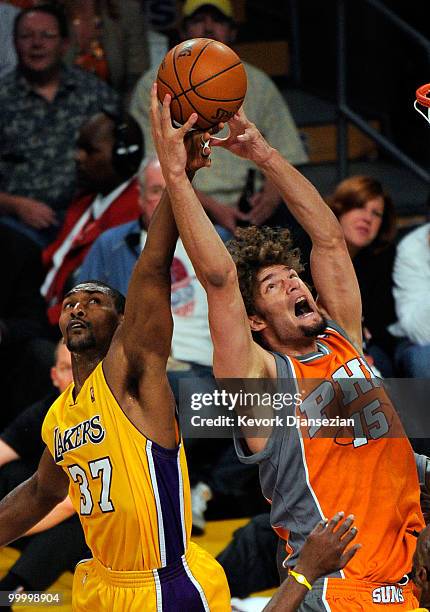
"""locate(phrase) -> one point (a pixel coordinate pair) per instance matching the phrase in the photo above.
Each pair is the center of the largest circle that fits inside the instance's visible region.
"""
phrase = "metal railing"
(346, 113)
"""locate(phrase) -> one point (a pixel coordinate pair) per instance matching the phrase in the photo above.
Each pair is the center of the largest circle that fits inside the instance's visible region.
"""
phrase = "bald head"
(151, 187)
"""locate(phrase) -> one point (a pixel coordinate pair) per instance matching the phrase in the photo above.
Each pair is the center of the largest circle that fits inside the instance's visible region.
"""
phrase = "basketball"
(203, 76)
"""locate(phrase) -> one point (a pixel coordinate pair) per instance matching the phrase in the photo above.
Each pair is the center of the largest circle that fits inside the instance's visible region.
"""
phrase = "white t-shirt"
(411, 289)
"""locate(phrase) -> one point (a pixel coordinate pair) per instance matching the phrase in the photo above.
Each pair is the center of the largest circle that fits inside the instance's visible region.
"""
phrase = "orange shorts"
(358, 596)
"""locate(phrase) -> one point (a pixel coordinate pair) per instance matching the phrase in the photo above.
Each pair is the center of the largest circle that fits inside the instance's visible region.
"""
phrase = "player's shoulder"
(335, 335)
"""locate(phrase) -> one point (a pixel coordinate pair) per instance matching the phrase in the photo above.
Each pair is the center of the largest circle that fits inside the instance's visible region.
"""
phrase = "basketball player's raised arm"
(28, 503)
(213, 265)
(148, 325)
(135, 365)
(331, 266)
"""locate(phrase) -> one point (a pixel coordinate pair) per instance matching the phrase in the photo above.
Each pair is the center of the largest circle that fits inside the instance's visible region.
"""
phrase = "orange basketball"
(205, 77)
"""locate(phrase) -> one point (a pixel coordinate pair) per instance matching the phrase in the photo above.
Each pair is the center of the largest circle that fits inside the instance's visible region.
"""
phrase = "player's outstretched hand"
(174, 154)
(244, 140)
(325, 551)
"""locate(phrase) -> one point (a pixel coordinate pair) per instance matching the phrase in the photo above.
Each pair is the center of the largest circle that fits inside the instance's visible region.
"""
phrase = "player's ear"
(257, 323)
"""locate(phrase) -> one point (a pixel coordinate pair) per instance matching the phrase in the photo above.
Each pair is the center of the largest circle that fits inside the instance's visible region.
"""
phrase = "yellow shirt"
(132, 495)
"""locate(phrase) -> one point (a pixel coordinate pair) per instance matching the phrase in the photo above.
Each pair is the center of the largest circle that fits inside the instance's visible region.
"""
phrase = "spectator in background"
(411, 277)
(366, 215)
(23, 4)
(420, 568)
(109, 152)
(25, 352)
(50, 552)
(21, 440)
(219, 190)
(109, 38)
(42, 106)
(7, 47)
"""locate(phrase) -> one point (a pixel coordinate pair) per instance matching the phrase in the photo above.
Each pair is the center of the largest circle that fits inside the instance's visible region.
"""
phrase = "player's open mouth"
(302, 308)
(76, 325)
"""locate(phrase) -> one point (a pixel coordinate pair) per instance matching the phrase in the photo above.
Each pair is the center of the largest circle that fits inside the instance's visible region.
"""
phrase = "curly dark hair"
(254, 248)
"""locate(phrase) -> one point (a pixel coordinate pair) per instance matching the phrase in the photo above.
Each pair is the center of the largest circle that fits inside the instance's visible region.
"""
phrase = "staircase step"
(316, 119)
(321, 142)
(409, 193)
(309, 109)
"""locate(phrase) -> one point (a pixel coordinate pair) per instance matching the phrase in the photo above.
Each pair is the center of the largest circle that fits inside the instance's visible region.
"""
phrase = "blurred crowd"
(79, 182)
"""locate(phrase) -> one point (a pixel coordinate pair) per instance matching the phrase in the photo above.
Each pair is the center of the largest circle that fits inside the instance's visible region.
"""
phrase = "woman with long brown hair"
(366, 213)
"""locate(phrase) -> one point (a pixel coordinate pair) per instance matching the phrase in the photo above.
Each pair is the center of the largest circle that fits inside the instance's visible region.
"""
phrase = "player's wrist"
(307, 571)
(265, 158)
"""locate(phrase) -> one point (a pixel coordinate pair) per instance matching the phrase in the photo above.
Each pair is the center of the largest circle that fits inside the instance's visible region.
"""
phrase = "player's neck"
(294, 348)
(82, 367)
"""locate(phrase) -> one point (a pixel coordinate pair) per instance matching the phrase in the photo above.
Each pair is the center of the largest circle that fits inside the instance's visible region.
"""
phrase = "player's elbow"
(333, 242)
(221, 277)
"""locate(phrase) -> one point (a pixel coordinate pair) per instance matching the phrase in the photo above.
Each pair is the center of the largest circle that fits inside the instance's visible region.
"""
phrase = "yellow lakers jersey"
(132, 495)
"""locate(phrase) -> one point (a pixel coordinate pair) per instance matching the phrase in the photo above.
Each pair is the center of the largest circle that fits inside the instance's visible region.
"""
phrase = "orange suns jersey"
(309, 472)
(132, 495)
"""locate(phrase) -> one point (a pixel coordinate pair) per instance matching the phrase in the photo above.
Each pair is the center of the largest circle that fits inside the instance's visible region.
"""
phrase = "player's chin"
(80, 342)
(313, 325)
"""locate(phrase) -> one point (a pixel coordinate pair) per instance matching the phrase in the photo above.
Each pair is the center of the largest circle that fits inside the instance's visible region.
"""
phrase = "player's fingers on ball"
(154, 93)
(189, 123)
(345, 525)
(154, 103)
(240, 115)
(214, 130)
(166, 120)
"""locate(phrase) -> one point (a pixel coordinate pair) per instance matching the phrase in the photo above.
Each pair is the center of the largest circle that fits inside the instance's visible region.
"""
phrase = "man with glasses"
(42, 106)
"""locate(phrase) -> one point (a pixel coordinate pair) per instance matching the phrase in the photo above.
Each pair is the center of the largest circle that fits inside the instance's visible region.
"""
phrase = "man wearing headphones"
(109, 151)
